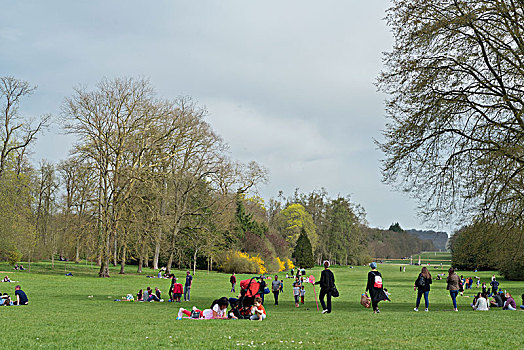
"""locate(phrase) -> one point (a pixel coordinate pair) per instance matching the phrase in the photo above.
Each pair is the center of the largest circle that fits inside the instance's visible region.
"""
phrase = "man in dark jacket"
(327, 283)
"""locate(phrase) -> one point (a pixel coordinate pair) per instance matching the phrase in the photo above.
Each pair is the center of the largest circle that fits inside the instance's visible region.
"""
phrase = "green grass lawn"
(433, 258)
(61, 316)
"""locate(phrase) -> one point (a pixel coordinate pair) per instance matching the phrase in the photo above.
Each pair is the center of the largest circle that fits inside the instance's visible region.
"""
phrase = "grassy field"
(433, 258)
(62, 316)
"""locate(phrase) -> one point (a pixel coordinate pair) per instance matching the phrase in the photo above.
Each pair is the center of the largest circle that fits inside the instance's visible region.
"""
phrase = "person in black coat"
(374, 286)
(327, 283)
(423, 283)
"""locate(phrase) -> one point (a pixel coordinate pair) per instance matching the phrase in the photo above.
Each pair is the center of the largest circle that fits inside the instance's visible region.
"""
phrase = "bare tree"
(455, 80)
(116, 126)
(16, 133)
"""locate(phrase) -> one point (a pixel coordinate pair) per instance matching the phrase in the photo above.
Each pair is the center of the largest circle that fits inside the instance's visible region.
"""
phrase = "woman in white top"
(482, 303)
(218, 309)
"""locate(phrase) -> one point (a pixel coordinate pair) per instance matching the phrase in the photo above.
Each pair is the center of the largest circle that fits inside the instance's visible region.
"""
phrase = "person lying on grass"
(5, 300)
(217, 310)
(258, 311)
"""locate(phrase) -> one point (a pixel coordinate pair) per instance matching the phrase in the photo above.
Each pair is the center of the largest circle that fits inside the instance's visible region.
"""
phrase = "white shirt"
(481, 305)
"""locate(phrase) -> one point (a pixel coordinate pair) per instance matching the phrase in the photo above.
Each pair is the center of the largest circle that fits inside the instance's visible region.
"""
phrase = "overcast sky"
(288, 84)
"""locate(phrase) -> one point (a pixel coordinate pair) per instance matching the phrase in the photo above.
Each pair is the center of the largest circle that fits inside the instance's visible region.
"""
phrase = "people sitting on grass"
(150, 295)
(6, 279)
(522, 306)
(258, 312)
(140, 295)
(21, 297)
(510, 303)
(158, 293)
(481, 302)
(496, 301)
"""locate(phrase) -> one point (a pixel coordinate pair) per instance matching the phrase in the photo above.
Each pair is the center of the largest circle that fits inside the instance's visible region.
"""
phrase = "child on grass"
(258, 311)
(302, 294)
(296, 292)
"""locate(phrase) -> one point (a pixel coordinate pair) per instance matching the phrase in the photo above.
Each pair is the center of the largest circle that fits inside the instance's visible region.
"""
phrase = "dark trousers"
(276, 297)
(374, 304)
(323, 293)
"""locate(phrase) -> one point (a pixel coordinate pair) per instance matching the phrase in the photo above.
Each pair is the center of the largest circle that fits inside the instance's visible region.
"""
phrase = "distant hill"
(439, 239)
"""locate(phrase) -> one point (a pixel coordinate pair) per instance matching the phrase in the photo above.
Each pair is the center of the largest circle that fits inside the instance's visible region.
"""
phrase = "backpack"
(421, 282)
(378, 281)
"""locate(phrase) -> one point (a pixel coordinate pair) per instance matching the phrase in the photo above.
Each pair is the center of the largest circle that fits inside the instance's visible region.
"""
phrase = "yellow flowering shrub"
(240, 262)
(281, 264)
(290, 264)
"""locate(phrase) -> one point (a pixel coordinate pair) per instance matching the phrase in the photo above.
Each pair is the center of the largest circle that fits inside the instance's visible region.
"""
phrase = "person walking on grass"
(327, 283)
(187, 286)
(453, 285)
(375, 288)
(275, 286)
(233, 281)
(423, 285)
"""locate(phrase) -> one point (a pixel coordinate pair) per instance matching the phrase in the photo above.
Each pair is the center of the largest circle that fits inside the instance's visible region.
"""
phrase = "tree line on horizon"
(149, 183)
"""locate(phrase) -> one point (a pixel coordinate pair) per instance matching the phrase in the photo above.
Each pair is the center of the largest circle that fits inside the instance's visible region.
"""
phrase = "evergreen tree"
(303, 251)
(395, 227)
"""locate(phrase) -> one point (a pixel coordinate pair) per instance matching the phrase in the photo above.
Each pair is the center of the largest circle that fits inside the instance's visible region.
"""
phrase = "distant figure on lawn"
(178, 290)
(375, 287)
(21, 297)
(6, 279)
(275, 286)
(140, 295)
(522, 306)
(423, 283)
(327, 283)
(233, 281)
(187, 286)
(453, 286)
(494, 285)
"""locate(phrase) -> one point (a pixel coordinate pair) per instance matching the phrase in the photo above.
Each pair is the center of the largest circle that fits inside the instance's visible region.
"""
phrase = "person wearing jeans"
(187, 286)
(453, 286)
(423, 283)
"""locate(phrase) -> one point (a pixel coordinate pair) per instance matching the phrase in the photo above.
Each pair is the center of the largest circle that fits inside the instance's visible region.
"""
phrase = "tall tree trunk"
(195, 261)
(169, 262)
(157, 251)
(115, 251)
(77, 252)
(52, 260)
(104, 267)
(123, 260)
(140, 263)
